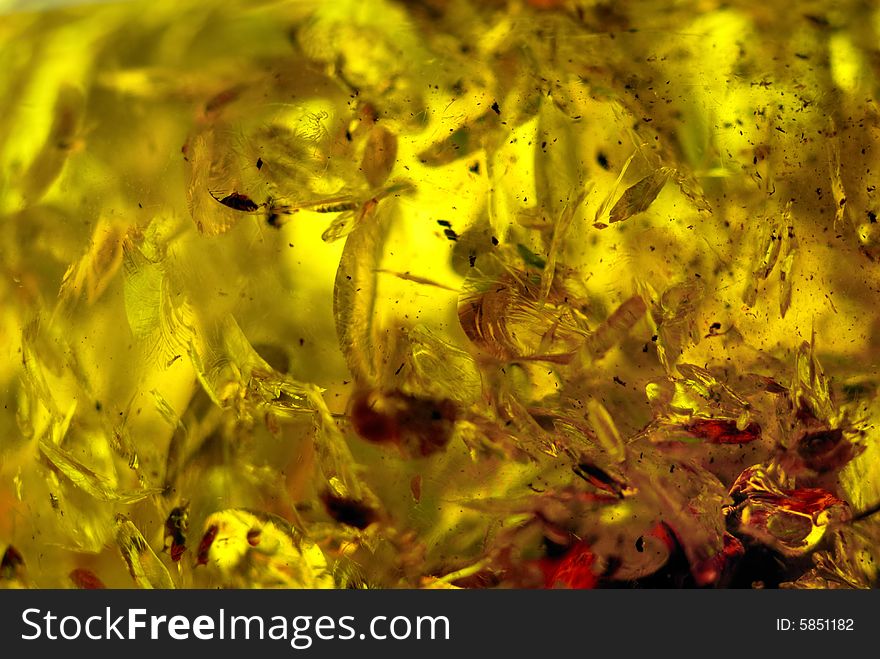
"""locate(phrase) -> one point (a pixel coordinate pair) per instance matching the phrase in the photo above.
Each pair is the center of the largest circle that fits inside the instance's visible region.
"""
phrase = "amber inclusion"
(439, 293)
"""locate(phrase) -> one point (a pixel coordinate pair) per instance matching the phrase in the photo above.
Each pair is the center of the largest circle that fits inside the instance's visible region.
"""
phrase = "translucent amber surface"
(478, 294)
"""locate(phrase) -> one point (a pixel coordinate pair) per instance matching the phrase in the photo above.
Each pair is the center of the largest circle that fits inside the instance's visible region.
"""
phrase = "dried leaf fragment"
(639, 197)
(606, 431)
(144, 566)
(47, 165)
(614, 328)
(97, 485)
(792, 521)
(380, 154)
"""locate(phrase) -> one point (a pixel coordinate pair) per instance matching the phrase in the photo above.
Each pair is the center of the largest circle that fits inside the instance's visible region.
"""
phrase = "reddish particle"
(370, 422)
(710, 570)
(663, 533)
(546, 4)
(418, 426)
(86, 579)
(177, 550)
(205, 544)
(722, 431)
(175, 528)
(808, 500)
(415, 487)
(573, 571)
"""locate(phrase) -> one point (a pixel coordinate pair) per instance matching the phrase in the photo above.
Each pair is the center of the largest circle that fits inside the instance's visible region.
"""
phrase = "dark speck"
(475, 168)
(495, 108)
(239, 202)
(819, 21)
(11, 563)
(449, 233)
(872, 217)
(259, 163)
(348, 511)
(494, 240)
(444, 223)
(602, 159)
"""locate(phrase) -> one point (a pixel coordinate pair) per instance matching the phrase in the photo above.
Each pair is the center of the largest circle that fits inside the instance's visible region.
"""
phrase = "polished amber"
(558, 293)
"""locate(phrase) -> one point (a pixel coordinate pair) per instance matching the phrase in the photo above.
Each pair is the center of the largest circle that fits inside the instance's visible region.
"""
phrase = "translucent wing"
(145, 567)
(98, 485)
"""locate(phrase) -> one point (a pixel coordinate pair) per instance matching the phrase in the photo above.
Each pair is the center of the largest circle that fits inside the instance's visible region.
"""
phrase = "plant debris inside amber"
(428, 293)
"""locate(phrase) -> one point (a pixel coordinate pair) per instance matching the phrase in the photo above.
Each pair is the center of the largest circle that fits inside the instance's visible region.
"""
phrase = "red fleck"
(754, 485)
(253, 537)
(177, 551)
(574, 570)
(415, 487)
(86, 579)
(419, 426)
(665, 535)
(808, 500)
(205, 544)
(710, 570)
(371, 423)
(722, 431)
(175, 528)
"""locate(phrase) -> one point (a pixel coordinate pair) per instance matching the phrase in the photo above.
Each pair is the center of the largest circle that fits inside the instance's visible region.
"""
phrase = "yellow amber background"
(160, 347)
